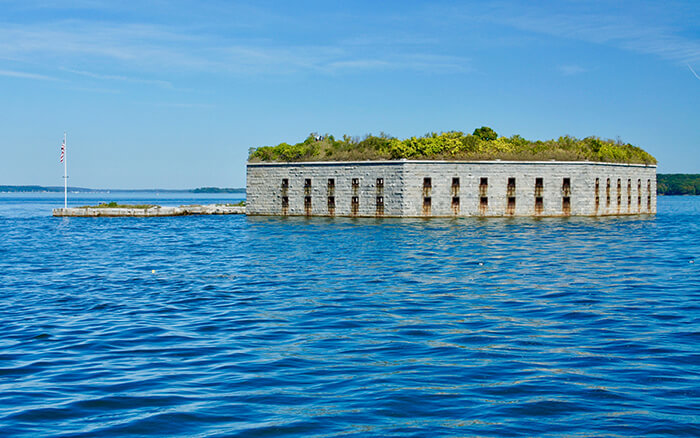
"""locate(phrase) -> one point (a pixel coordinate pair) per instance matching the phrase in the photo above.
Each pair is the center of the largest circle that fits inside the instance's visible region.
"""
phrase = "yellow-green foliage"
(484, 144)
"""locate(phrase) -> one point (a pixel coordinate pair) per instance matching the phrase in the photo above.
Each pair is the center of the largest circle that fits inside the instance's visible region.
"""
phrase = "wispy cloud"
(160, 83)
(155, 49)
(571, 69)
(95, 90)
(184, 105)
(359, 64)
(634, 34)
(693, 71)
(25, 75)
(415, 62)
(79, 40)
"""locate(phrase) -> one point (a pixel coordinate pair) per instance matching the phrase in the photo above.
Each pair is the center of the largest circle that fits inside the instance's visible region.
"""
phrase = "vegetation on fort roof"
(116, 205)
(678, 184)
(483, 144)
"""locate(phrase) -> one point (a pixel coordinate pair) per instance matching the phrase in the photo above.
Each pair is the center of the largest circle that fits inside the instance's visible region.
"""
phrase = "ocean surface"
(258, 327)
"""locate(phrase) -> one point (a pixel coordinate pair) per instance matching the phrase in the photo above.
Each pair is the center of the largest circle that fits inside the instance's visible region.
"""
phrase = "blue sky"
(171, 94)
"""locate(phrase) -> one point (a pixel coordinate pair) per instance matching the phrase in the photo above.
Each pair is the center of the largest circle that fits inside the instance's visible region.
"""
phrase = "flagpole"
(65, 173)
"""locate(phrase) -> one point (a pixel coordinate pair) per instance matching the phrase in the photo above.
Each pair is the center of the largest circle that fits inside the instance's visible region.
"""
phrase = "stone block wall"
(445, 188)
(356, 188)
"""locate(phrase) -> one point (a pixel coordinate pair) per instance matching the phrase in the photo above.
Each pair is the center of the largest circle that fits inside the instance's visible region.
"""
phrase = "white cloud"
(628, 34)
(158, 50)
(571, 69)
(133, 45)
(160, 83)
(664, 29)
(414, 62)
(359, 64)
(694, 74)
(184, 105)
(25, 75)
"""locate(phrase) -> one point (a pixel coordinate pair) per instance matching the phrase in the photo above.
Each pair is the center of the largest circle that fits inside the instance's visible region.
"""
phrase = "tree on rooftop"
(485, 133)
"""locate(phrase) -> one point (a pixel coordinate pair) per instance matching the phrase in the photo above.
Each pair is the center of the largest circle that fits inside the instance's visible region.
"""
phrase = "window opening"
(566, 205)
(427, 206)
(539, 186)
(639, 195)
(380, 205)
(483, 204)
(427, 186)
(510, 207)
(455, 204)
(539, 204)
(629, 195)
(619, 194)
(566, 186)
(483, 186)
(511, 187)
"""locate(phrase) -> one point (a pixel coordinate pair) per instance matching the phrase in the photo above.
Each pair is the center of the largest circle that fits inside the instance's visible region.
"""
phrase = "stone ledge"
(156, 211)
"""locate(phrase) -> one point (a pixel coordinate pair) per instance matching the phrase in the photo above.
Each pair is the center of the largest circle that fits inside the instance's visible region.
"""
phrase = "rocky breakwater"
(148, 211)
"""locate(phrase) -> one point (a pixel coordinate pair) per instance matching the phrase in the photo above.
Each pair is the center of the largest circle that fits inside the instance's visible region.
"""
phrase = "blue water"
(236, 326)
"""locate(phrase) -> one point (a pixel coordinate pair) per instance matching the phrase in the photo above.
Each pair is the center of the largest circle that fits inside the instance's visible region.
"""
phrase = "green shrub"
(484, 144)
(485, 133)
(117, 205)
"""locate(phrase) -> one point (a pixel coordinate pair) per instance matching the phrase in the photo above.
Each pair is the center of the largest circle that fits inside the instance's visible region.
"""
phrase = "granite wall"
(446, 188)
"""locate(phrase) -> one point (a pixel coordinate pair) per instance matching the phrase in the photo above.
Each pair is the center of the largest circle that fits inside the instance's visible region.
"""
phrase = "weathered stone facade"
(448, 188)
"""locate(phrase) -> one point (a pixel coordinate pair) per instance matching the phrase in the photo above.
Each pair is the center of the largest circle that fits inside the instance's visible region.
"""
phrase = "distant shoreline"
(58, 189)
(667, 184)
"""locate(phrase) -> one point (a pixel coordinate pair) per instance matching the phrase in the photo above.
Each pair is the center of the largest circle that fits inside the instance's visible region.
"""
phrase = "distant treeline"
(218, 190)
(18, 189)
(40, 189)
(483, 144)
(678, 184)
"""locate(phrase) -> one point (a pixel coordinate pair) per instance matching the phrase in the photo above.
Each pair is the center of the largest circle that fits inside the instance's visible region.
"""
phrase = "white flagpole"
(65, 172)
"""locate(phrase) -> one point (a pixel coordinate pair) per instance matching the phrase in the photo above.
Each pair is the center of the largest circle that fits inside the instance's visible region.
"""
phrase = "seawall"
(155, 211)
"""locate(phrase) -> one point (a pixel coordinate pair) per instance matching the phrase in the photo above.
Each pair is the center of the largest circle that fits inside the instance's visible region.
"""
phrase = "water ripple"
(235, 326)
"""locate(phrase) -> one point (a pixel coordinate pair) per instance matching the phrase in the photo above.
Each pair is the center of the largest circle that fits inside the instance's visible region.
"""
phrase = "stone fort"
(411, 188)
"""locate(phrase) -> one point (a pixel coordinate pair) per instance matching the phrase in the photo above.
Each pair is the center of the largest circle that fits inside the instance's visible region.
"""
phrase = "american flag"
(63, 150)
